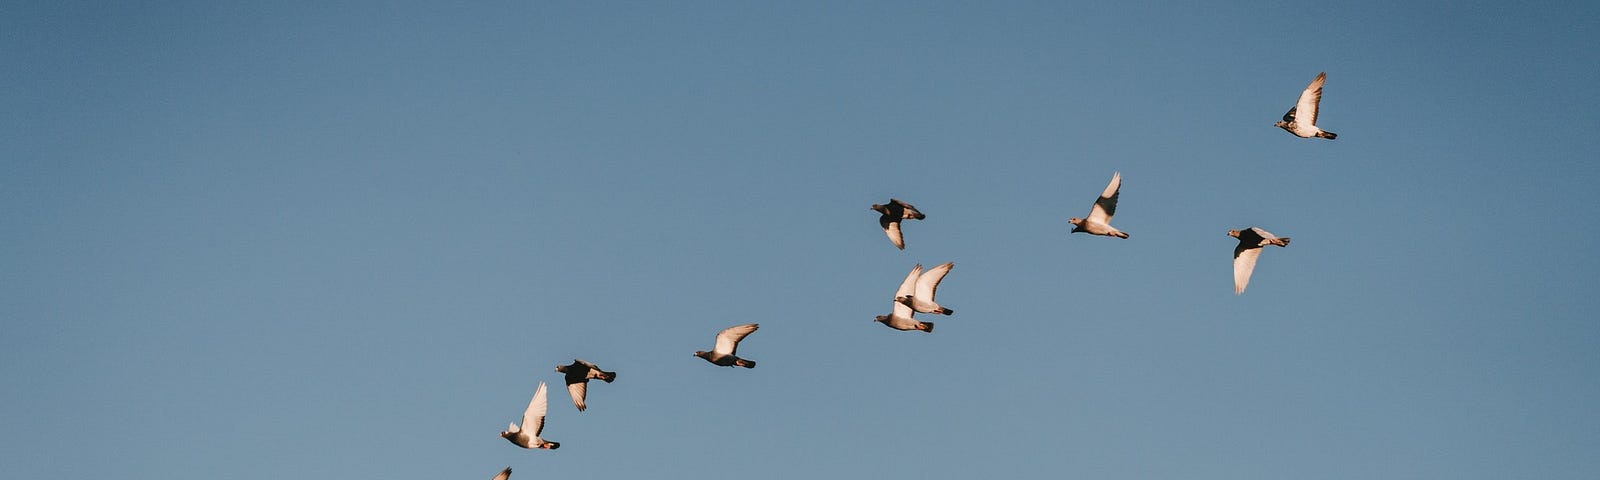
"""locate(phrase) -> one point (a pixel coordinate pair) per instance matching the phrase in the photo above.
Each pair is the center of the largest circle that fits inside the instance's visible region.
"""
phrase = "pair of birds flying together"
(916, 294)
(577, 376)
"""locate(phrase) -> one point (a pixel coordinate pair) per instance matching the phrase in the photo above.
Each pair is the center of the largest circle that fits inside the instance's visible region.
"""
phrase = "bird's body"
(527, 434)
(1099, 220)
(901, 316)
(922, 299)
(724, 353)
(890, 215)
(1249, 249)
(1301, 120)
(578, 375)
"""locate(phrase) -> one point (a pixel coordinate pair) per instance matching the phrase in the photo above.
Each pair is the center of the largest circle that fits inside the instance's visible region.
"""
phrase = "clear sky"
(275, 240)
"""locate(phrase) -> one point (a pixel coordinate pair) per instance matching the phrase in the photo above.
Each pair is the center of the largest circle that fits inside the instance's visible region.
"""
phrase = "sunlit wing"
(579, 391)
(728, 339)
(1106, 205)
(533, 417)
(907, 287)
(892, 229)
(928, 282)
(1244, 262)
(1309, 99)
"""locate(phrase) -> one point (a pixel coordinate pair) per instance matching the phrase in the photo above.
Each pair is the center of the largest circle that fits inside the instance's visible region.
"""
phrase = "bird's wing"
(892, 229)
(504, 474)
(1309, 100)
(1289, 116)
(1265, 236)
(578, 391)
(1244, 262)
(585, 363)
(728, 339)
(928, 282)
(533, 417)
(1106, 205)
(907, 287)
(907, 210)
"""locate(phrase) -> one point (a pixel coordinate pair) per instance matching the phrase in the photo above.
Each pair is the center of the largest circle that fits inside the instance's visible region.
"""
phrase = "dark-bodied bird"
(723, 354)
(927, 286)
(1099, 221)
(578, 375)
(1302, 117)
(1244, 256)
(901, 316)
(891, 215)
(527, 435)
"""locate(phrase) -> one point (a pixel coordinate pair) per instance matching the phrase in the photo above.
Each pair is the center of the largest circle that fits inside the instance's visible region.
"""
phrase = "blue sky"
(321, 240)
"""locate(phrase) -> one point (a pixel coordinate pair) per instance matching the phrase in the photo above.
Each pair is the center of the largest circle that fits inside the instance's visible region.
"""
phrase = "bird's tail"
(1328, 135)
(1282, 242)
(745, 363)
(925, 326)
(608, 376)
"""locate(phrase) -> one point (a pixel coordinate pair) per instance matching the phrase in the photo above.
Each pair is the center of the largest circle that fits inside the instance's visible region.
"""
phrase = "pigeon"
(1302, 117)
(1244, 256)
(727, 344)
(927, 283)
(900, 317)
(893, 213)
(504, 474)
(532, 420)
(578, 375)
(1099, 221)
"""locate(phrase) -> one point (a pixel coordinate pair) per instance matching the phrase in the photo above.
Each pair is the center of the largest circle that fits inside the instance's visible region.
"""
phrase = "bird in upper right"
(578, 375)
(1099, 221)
(1244, 256)
(1302, 117)
(891, 215)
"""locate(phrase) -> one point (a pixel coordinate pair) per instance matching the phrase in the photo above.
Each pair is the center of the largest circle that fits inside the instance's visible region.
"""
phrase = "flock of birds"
(917, 292)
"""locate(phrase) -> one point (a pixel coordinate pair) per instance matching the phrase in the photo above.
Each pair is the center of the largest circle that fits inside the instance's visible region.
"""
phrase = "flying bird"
(578, 376)
(1099, 221)
(1244, 256)
(504, 474)
(927, 284)
(892, 213)
(527, 435)
(901, 317)
(723, 354)
(1302, 117)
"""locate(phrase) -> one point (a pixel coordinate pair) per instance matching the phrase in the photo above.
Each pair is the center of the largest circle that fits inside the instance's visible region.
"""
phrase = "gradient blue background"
(268, 240)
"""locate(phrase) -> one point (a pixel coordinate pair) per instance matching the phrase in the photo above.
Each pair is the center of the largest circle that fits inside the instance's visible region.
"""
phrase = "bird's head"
(510, 431)
(1233, 233)
(1075, 220)
(701, 353)
(879, 208)
(1283, 124)
(881, 318)
(561, 368)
